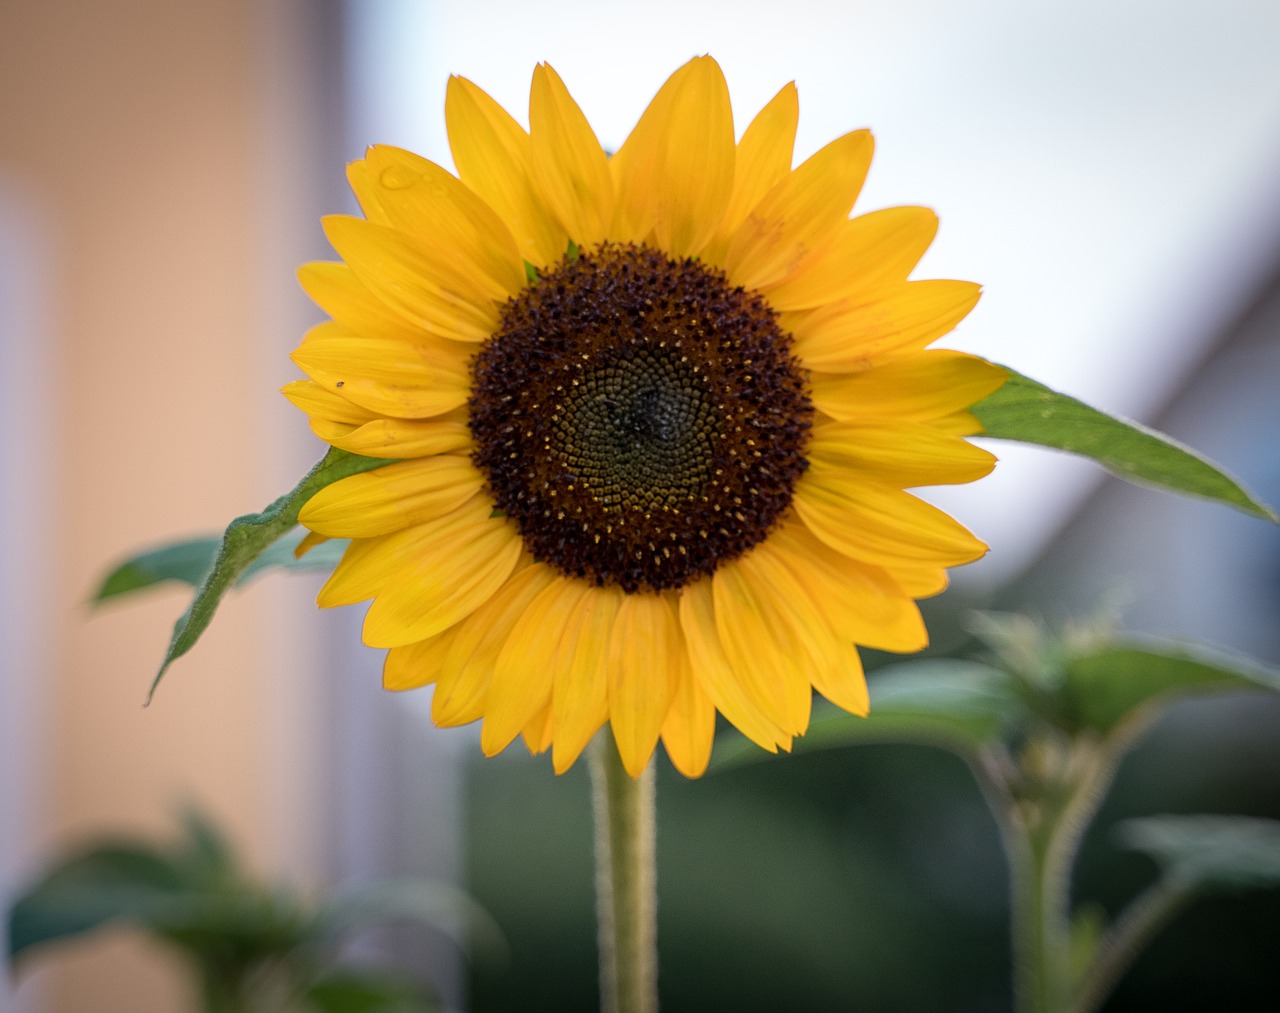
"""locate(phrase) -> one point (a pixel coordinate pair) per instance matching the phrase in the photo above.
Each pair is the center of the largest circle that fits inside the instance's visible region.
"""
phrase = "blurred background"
(1106, 169)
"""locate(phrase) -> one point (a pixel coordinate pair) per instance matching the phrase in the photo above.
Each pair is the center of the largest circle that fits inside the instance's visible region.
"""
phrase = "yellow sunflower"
(653, 417)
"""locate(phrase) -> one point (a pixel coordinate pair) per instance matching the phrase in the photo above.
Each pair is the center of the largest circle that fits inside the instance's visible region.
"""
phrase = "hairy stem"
(1126, 938)
(626, 882)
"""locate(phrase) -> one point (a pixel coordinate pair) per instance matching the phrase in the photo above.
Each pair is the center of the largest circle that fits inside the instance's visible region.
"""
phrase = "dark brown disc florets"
(639, 420)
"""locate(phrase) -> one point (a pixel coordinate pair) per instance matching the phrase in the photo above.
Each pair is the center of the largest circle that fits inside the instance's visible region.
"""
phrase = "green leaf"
(245, 540)
(1123, 682)
(351, 991)
(190, 561)
(1210, 852)
(957, 705)
(1030, 412)
(187, 561)
(115, 880)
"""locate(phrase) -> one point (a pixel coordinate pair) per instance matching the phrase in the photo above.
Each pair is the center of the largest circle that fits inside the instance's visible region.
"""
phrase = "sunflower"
(651, 418)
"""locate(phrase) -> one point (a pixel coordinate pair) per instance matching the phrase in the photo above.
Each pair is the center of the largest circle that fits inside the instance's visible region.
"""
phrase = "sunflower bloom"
(652, 418)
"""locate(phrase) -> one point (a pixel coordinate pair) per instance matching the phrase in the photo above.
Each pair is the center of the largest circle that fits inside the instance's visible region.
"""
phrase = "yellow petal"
(415, 665)
(919, 582)
(758, 639)
(930, 385)
(645, 662)
(491, 151)
(835, 668)
(580, 696)
(434, 208)
(677, 174)
(763, 158)
(865, 604)
(323, 402)
(363, 569)
(524, 673)
(868, 253)
(958, 424)
(419, 282)
(880, 524)
(906, 454)
(335, 288)
(846, 687)
(570, 169)
(403, 438)
(330, 431)
(466, 669)
(865, 330)
(722, 684)
(309, 541)
(537, 733)
(690, 726)
(800, 213)
(393, 497)
(385, 375)
(440, 572)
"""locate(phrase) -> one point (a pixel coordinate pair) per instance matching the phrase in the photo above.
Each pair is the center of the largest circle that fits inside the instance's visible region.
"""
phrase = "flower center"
(638, 419)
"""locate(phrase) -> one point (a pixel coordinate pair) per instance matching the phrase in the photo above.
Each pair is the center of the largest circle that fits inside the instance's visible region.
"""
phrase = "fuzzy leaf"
(245, 540)
(1030, 412)
(1124, 681)
(1210, 852)
(957, 705)
(190, 561)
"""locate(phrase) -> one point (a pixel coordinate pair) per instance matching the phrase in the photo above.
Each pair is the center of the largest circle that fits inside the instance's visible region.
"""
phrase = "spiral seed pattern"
(639, 419)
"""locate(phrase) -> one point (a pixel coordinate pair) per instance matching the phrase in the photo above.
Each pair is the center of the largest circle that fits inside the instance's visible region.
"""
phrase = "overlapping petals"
(516, 644)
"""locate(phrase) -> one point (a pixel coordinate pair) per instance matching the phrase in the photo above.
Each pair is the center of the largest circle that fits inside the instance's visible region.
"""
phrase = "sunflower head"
(652, 421)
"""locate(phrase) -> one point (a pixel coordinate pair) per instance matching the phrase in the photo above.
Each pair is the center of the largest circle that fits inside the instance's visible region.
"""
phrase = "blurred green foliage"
(252, 948)
(874, 877)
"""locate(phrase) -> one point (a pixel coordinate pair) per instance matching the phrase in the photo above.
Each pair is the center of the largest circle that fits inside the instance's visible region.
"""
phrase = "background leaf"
(189, 562)
(350, 991)
(1030, 412)
(115, 880)
(1210, 852)
(246, 538)
(1120, 682)
(957, 705)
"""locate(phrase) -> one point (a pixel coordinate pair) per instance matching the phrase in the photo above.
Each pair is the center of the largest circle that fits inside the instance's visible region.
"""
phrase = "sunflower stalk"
(1140, 923)
(626, 882)
(1042, 822)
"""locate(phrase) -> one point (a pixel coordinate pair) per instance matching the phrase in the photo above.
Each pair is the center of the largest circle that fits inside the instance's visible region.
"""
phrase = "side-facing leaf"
(1030, 412)
(1209, 852)
(190, 560)
(108, 882)
(246, 538)
(187, 561)
(956, 705)
(1127, 681)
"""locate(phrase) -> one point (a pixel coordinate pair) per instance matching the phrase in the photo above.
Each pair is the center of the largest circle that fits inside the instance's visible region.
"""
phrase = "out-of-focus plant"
(1043, 723)
(252, 947)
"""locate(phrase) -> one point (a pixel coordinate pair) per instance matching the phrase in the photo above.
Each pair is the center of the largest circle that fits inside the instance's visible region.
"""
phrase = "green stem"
(1033, 989)
(219, 993)
(626, 882)
(1041, 860)
(1126, 938)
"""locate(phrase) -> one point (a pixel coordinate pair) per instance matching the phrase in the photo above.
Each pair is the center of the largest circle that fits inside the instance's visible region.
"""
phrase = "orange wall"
(138, 129)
